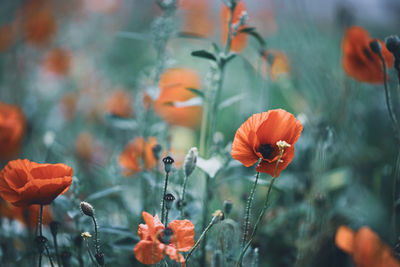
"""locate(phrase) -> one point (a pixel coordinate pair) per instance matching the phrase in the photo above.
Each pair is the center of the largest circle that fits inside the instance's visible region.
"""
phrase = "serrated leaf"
(104, 193)
(196, 91)
(210, 166)
(230, 101)
(204, 54)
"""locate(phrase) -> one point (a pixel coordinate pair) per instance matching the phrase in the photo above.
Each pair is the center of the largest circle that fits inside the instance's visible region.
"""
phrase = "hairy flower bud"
(54, 225)
(190, 161)
(169, 199)
(228, 205)
(87, 209)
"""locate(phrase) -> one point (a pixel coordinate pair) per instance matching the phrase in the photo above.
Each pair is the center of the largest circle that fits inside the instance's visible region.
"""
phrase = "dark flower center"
(266, 150)
(166, 236)
(368, 54)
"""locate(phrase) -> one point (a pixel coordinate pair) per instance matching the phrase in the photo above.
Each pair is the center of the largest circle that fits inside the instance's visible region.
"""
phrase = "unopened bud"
(168, 161)
(87, 209)
(190, 161)
(169, 200)
(228, 205)
(100, 258)
(375, 47)
(157, 151)
(54, 225)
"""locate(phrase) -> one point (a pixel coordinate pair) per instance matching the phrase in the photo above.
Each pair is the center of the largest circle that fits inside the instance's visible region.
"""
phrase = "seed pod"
(169, 199)
(168, 161)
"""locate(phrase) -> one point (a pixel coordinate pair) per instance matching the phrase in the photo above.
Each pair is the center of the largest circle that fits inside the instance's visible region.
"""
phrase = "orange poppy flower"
(156, 241)
(120, 104)
(257, 139)
(39, 26)
(197, 17)
(359, 61)
(58, 61)
(239, 41)
(24, 183)
(28, 216)
(68, 104)
(12, 130)
(173, 84)
(136, 151)
(366, 247)
(274, 64)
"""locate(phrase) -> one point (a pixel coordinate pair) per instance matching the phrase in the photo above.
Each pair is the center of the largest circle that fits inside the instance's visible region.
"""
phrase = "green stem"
(166, 216)
(48, 255)
(96, 241)
(56, 250)
(40, 232)
(248, 208)
(202, 236)
(183, 197)
(90, 253)
(205, 214)
(163, 195)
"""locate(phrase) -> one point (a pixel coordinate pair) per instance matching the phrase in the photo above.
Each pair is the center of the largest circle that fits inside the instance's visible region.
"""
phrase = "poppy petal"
(184, 233)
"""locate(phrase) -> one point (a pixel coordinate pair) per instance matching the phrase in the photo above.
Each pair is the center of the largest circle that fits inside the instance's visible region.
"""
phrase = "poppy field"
(199, 133)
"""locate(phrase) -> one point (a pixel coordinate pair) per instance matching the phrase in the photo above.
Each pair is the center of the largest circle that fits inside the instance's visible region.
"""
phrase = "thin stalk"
(392, 116)
(40, 232)
(163, 195)
(166, 216)
(205, 213)
(248, 208)
(239, 262)
(183, 197)
(56, 250)
(202, 236)
(96, 241)
(48, 255)
(90, 253)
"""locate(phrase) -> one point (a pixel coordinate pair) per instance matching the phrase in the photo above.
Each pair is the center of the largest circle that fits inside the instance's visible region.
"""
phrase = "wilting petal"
(184, 233)
(148, 252)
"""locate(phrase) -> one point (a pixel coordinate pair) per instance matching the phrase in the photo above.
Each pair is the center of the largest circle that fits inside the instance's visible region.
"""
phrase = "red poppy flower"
(58, 61)
(136, 151)
(28, 216)
(173, 84)
(39, 26)
(359, 61)
(366, 247)
(24, 183)
(239, 41)
(197, 17)
(257, 139)
(156, 241)
(12, 130)
(7, 36)
(120, 104)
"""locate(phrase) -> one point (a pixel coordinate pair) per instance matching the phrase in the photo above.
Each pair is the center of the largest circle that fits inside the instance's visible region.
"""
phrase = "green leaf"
(216, 48)
(248, 30)
(252, 31)
(120, 122)
(230, 101)
(196, 91)
(204, 54)
(210, 166)
(190, 35)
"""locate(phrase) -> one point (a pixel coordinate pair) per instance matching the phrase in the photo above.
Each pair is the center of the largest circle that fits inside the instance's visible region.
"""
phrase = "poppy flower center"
(266, 150)
(367, 53)
(166, 236)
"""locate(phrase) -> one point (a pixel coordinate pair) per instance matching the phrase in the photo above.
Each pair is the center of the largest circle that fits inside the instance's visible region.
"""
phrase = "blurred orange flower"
(257, 139)
(39, 26)
(12, 130)
(7, 36)
(23, 183)
(156, 241)
(84, 146)
(239, 41)
(136, 151)
(68, 104)
(275, 63)
(120, 104)
(28, 216)
(359, 61)
(58, 61)
(103, 6)
(366, 247)
(197, 17)
(173, 84)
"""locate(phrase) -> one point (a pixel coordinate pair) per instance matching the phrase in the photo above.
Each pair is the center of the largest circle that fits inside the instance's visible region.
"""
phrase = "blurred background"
(86, 72)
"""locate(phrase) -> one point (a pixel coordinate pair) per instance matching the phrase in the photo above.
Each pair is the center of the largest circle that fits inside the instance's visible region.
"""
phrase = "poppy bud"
(87, 209)
(168, 161)
(167, 233)
(190, 161)
(393, 44)
(54, 225)
(169, 199)
(40, 242)
(375, 46)
(100, 258)
(228, 205)
(157, 151)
